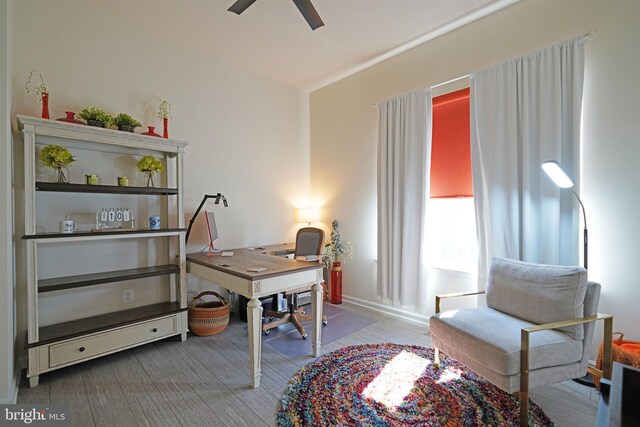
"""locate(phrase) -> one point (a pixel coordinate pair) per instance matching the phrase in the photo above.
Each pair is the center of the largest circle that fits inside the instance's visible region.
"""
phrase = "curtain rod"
(451, 81)
(375, 104)
(592, 34)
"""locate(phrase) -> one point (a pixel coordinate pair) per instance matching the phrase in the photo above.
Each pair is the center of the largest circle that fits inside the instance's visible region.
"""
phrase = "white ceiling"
(271, 38)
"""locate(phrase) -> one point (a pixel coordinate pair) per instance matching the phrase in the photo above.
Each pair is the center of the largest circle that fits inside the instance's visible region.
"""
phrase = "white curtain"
(523, 112)
(404, 159)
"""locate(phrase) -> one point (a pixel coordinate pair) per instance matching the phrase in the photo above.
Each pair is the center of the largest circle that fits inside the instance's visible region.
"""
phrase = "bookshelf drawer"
(106, 342)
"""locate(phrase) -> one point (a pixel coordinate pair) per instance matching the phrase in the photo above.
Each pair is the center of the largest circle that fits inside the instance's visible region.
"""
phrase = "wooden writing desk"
(282, 274)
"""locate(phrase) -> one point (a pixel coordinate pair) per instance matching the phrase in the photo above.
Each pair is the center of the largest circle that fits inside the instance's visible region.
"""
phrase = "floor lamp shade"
(562, 179)
(558, 175)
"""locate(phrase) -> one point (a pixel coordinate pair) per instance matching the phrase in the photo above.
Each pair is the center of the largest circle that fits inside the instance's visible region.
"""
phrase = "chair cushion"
(538, 293)
(492, 339)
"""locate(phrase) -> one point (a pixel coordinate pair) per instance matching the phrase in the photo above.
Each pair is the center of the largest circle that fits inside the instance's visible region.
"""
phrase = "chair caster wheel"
(325, 322)
(267, 332)
(304, 336)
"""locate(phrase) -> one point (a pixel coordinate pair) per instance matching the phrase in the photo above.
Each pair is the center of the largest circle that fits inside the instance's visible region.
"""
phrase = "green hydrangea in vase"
(59, 158)
(149, 165)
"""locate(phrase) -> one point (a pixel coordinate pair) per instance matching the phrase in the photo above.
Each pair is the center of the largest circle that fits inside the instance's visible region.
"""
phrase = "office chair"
(309, 241)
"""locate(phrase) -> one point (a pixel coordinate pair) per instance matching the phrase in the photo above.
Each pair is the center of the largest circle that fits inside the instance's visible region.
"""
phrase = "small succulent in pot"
(95, 117)
(125, 122)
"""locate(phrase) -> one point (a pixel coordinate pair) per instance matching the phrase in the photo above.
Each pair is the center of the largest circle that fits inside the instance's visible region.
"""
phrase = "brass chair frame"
(524, 349)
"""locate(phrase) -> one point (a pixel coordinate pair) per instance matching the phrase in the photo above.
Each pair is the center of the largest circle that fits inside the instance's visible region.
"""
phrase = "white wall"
(343, 133)
(248, 135)
(7, 329)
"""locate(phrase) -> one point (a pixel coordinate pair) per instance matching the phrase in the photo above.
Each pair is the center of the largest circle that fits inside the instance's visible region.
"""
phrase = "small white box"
(304, 298)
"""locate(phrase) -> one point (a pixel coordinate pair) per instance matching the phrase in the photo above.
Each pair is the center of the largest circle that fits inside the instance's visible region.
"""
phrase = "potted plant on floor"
(125, 122)
(332, 255)
(95, 117)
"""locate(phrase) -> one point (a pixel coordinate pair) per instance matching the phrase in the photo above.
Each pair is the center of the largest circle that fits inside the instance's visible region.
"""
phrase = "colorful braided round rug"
(396, 385)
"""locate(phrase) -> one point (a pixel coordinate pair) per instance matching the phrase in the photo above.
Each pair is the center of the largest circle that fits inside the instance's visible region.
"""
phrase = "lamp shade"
(308, 215)
(558, 175)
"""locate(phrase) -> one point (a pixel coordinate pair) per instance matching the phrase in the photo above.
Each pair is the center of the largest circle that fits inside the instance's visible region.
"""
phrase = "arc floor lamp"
(562, 179)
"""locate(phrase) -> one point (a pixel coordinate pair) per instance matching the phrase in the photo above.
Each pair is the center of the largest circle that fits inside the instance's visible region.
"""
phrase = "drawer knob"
(155, 329)
(82, 349)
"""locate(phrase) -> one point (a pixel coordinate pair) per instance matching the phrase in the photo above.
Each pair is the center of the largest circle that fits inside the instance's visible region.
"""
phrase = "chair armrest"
(563, 323)
(454, 295)
(606, 353)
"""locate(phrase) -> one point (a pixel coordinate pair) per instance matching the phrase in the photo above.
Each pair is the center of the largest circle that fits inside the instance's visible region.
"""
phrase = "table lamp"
(561, 178)
(217, 197)
(308, 215)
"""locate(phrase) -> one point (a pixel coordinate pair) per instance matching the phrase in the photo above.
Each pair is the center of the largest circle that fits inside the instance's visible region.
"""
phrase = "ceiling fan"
(304, 6)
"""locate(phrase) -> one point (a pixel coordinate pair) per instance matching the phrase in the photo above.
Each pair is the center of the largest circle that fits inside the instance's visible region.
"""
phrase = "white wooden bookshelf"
(59, 336)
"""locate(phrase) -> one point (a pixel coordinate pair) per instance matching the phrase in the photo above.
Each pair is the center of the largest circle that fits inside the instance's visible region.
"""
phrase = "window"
(450, 146)
(451, 215)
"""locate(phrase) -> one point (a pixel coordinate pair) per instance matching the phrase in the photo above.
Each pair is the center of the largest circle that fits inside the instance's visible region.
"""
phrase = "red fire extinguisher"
(336, 283)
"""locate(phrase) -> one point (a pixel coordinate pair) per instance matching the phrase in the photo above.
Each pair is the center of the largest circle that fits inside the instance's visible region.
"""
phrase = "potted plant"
(149, 165)
(95, 117)
(332, 255)
(336, 250)
(58, 158)
(125, 122)
(164, 113)
(41, 91)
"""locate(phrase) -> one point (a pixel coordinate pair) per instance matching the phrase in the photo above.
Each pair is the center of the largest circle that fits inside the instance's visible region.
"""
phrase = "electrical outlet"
(128, 295)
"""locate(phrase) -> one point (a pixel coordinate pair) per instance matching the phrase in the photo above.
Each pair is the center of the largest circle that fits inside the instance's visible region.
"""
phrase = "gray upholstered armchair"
(536, 329)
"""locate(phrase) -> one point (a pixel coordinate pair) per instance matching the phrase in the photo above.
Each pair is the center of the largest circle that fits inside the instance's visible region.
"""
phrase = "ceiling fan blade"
(240, 6)
(309, 12)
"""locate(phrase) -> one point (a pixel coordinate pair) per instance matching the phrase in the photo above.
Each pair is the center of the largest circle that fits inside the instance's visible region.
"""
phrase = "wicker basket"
(208, 317)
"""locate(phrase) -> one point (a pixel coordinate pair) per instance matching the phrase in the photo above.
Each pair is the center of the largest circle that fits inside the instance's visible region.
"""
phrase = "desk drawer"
(87, 347)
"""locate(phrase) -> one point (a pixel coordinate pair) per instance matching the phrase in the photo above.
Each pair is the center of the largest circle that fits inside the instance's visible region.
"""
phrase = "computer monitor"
(213, 232)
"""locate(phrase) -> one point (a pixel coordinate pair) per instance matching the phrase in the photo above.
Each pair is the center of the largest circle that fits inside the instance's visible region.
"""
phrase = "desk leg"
(316, 308)
(254, 323)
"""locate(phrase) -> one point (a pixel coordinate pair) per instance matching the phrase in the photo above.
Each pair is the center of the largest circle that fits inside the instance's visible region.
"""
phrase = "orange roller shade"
(450, 146)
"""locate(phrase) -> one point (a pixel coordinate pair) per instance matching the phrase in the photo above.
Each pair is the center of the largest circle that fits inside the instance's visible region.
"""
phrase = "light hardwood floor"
(204, 382)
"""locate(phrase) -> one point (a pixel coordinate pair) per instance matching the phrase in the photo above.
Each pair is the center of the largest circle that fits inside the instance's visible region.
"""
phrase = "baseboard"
(391, 311)
(16, 384)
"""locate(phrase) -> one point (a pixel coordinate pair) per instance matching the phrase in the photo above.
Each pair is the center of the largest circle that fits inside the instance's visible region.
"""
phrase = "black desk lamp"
(217, 197)
(561, 178)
